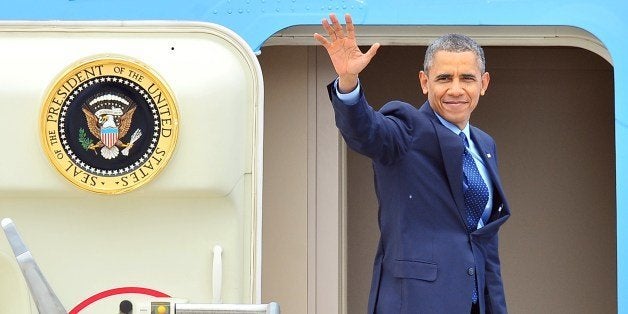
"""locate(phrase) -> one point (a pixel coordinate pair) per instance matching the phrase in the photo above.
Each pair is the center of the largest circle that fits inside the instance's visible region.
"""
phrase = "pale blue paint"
(256, 20)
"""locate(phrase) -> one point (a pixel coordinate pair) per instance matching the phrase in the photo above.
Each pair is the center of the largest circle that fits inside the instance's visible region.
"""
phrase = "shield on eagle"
(109, 136)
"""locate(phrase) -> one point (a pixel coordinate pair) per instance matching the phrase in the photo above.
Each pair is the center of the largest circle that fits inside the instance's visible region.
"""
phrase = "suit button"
(471, 271)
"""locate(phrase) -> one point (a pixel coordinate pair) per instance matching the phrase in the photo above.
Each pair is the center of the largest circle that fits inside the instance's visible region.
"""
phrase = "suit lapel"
(451, 149)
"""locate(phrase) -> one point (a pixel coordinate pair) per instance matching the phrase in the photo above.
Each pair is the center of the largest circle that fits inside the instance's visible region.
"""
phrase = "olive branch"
(84, 139)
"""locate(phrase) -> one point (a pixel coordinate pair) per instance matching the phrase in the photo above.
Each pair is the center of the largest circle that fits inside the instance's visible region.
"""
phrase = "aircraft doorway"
(550, 108)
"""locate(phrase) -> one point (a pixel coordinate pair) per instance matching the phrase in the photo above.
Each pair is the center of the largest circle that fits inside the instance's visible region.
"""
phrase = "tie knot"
(463, 137)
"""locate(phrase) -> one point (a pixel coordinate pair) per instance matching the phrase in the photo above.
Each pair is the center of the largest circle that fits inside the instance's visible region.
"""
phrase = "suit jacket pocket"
(414, 270)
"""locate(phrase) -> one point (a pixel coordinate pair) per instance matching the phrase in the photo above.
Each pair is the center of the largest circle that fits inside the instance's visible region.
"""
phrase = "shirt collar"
(454, 128)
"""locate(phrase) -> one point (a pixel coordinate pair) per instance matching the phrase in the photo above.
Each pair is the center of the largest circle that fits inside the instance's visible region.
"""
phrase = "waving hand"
(344, 53)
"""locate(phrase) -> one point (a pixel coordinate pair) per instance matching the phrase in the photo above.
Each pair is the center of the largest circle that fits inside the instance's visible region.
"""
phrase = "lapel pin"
(488, 155)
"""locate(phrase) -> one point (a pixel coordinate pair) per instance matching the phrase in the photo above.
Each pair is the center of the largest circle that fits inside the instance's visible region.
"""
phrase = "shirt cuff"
(349, 98)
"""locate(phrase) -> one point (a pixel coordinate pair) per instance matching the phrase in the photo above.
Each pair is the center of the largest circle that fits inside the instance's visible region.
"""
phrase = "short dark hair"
(454, 43)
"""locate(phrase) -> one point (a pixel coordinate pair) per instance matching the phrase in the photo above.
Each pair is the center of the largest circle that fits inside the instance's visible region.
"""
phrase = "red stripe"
(109, 139)
(116, 291)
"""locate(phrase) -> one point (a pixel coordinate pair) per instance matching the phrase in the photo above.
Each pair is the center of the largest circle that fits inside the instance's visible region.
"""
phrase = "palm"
(347, 57)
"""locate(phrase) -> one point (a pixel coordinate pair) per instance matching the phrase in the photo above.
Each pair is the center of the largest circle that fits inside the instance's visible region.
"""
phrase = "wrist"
(347, 83)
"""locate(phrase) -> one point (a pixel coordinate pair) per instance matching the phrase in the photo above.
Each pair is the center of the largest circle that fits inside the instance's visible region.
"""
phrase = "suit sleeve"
(381, 135)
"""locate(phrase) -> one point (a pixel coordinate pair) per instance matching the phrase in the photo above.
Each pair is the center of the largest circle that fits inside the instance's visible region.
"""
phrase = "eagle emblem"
(109, 117)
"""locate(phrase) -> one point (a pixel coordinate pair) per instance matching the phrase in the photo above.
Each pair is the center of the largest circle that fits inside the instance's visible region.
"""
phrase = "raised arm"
(344, 53)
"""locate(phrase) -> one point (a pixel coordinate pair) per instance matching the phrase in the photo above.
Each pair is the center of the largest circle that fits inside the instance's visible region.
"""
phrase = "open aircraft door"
(131, 164)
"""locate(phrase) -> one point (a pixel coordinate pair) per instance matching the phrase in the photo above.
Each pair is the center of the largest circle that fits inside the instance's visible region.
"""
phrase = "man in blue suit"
(441, 202)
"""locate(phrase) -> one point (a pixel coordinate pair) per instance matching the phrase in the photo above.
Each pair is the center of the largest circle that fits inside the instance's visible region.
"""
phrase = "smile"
(458, 103)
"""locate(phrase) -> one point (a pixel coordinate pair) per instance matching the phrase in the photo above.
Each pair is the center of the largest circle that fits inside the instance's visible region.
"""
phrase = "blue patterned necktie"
(473, 187)
(475, 195)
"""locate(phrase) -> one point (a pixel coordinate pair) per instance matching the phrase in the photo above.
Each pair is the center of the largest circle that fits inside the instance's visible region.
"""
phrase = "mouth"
(454, 104)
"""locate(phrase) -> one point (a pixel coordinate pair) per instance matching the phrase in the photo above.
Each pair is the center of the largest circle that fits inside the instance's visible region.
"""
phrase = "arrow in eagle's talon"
(125, 151)
(136, 135)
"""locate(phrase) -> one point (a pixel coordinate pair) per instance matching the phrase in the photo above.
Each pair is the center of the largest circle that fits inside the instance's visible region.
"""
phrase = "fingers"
(335, 31)
(322, 40)
(329, 29)
(350, 27)
(336, 26)
(372, 51)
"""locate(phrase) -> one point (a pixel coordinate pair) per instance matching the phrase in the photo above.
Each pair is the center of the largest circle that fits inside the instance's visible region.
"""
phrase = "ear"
(423, 80)
(486, 78)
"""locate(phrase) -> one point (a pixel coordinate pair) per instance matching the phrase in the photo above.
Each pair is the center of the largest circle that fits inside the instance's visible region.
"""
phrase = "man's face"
(454, 85)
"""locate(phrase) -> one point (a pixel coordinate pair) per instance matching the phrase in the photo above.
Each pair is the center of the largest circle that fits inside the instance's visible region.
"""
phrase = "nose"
(456, 88)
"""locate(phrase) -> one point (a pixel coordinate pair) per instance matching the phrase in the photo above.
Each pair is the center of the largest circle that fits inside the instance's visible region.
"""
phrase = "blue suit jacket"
(426, 260)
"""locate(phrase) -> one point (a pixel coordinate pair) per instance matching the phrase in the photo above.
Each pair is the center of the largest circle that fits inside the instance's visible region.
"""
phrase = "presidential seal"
(109, 125)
